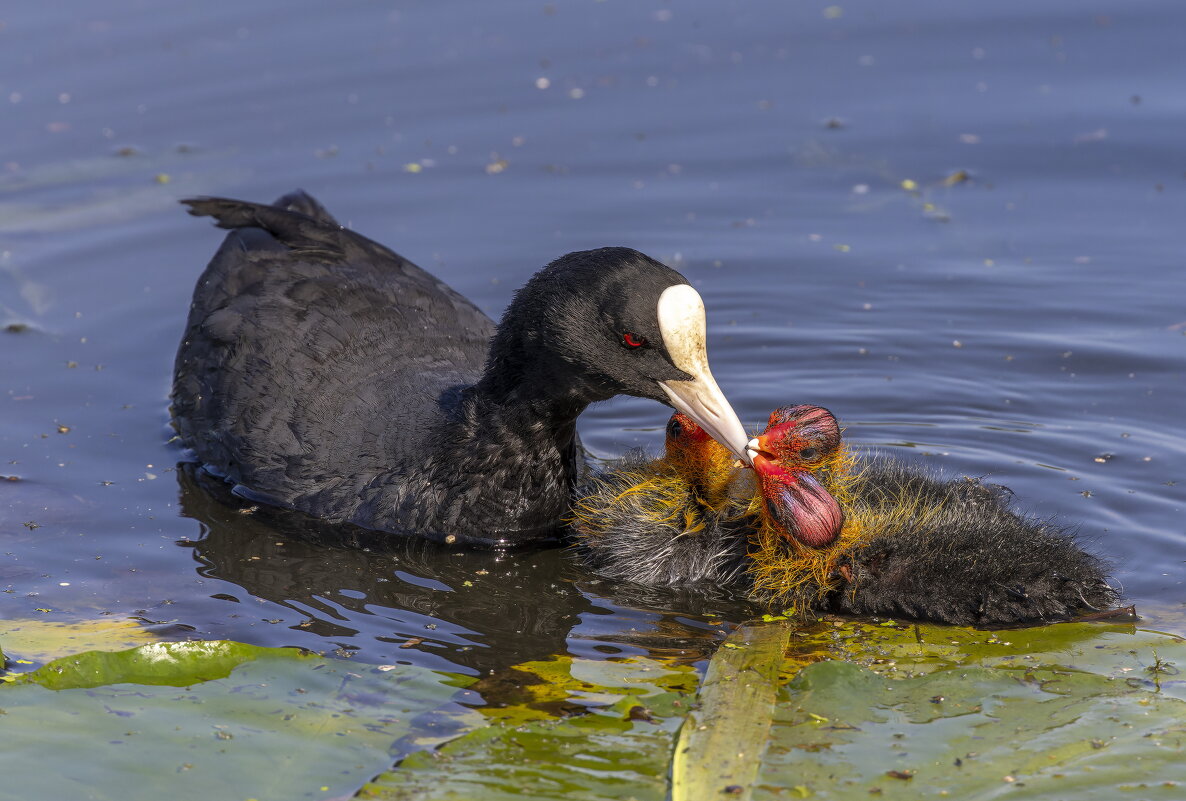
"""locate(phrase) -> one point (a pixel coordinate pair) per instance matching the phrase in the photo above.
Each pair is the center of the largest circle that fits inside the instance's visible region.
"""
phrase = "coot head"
(612, 321)
(798, 441)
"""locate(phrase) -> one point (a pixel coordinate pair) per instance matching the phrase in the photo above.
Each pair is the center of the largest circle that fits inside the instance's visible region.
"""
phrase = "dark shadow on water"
(386, 599)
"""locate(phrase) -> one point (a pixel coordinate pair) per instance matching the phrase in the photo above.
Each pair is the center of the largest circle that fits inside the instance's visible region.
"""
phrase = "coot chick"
(910, 545)
(321, 372)
(691, 517)
(668, 521)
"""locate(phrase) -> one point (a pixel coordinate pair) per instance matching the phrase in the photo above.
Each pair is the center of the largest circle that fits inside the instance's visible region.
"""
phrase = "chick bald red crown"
(797, 440)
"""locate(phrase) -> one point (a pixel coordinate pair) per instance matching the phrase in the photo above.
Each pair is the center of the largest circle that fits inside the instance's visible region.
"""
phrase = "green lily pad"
(843, 731)
(1083, 711)
(613, 740)
(1080, 711)
(281, 725)
(42, 640)
(178, 664)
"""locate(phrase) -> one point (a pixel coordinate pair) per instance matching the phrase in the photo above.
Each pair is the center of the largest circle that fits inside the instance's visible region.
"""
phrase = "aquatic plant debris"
(860, 710)
(720, 744)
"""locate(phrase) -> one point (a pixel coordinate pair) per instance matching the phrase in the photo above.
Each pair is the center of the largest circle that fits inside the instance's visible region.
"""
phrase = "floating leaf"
(1051, 732)
(42, 640)
(602, 747)
(281, 726)
(721, 744)
(178, 664)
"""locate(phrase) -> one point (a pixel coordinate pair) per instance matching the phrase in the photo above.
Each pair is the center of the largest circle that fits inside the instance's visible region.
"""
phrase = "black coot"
(321, 372)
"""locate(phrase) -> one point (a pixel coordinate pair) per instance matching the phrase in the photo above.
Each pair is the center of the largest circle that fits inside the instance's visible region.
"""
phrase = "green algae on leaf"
(563, 728)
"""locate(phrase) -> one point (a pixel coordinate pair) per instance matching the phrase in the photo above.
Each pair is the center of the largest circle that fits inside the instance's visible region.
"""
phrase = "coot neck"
(500, 470)
(538, 401)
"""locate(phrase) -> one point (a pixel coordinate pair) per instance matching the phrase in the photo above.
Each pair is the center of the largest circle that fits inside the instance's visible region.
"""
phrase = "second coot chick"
(667, 521)
(691, 517)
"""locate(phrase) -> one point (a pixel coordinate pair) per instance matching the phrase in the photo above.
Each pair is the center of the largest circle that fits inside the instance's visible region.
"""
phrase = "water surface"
(956, 226)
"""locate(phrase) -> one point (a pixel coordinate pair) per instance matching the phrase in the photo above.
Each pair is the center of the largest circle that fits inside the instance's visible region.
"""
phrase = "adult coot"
(322, 372)
(883, 538)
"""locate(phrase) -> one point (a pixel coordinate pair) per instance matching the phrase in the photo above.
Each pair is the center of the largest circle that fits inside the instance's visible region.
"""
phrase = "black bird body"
(322, 372)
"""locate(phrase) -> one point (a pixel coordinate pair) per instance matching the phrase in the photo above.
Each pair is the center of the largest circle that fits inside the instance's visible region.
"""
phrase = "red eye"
(631, 341)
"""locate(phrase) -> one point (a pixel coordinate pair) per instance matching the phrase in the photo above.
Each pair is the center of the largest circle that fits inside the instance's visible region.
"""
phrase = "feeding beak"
(756, 448)
(681, 322)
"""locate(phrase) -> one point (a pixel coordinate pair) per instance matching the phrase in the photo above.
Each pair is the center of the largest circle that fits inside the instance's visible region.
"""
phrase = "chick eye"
(808, 453)
(632, 341)
(674, 429)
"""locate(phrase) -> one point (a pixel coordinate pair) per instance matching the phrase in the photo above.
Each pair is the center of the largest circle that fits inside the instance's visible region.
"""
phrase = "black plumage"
(954, 552)
(322, 372)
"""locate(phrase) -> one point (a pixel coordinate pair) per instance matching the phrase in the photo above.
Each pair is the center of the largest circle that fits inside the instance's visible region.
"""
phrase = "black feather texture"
(322, 372)
(642, 522)
(962, 556)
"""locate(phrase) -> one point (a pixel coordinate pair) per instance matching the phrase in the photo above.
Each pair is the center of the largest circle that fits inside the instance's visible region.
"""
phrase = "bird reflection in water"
(380, 599)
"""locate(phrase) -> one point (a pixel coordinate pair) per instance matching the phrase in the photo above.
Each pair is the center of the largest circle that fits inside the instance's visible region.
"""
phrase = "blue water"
(957, 226)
